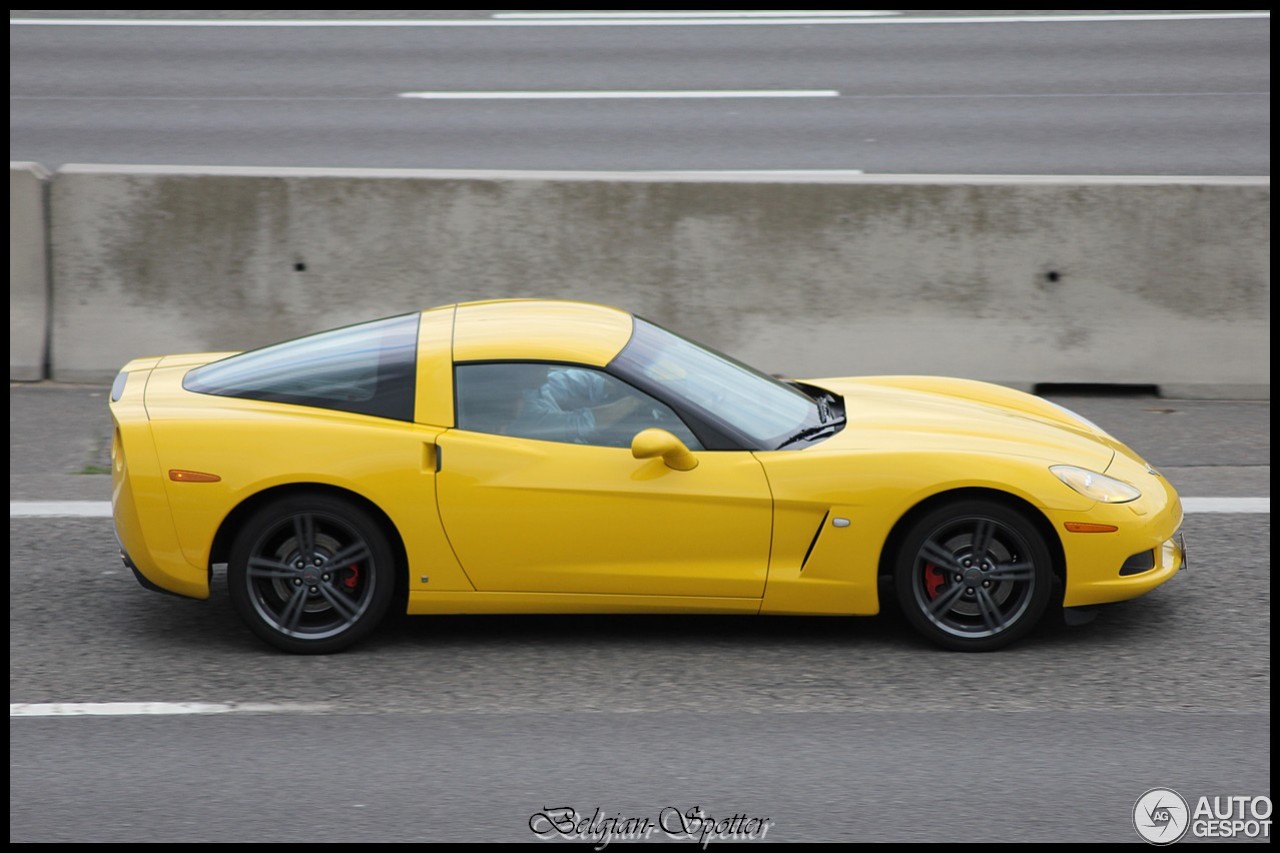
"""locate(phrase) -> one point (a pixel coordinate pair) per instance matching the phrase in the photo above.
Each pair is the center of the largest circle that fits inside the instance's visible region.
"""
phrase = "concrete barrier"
(28, 272)
(1016, 280)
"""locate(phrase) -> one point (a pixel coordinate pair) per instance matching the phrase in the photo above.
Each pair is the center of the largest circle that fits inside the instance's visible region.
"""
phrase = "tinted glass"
(552, 402)
(761, 408)
(368, 369)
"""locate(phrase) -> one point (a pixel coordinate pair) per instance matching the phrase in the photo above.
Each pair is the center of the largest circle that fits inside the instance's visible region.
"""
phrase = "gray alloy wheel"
(974, 575)
(311, 574)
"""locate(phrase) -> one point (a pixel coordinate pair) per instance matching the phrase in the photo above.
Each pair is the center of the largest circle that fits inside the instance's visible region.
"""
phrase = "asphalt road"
(463, 728)
(1183, 97)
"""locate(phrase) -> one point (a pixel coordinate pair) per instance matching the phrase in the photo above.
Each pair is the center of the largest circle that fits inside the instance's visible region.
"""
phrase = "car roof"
(539, 330)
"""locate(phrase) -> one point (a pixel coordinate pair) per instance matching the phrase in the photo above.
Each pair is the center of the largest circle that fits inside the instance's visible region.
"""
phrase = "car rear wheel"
(311, 574)
(974, 575)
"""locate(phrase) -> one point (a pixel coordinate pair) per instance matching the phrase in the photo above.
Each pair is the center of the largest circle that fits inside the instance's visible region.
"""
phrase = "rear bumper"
(140, 508)
(152, 556)
(141, 578)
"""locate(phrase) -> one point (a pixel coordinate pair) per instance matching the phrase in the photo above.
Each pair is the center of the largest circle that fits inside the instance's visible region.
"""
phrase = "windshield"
(764, 410)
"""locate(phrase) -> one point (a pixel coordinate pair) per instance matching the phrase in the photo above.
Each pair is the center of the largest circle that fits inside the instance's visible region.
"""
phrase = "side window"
(552, 402)
(368, 369)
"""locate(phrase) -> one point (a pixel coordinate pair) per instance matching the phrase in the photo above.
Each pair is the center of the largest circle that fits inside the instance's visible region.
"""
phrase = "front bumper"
(1170, 558)
(1096, 562)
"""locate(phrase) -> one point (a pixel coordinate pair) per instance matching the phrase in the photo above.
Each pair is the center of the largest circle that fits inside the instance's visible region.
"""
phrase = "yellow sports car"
(543, 456)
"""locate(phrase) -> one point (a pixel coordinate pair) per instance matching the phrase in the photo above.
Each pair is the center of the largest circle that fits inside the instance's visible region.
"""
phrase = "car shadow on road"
(213, 624)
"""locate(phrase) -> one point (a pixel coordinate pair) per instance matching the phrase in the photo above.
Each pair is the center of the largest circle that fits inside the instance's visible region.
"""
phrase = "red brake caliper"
(933, 580)
(352, 579)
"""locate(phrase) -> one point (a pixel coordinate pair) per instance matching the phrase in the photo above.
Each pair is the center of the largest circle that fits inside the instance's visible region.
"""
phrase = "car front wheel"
(973, 575)
(311, 574)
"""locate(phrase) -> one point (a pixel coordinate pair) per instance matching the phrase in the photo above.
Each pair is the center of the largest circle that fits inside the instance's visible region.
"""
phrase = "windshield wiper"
(811, 432)
(824, 400)
(824, 408)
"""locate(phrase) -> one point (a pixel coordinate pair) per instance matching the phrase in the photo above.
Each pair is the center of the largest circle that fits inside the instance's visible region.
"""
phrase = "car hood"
(920, 413)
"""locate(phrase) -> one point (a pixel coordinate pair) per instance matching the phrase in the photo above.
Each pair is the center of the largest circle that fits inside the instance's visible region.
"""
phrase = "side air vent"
(814, 541)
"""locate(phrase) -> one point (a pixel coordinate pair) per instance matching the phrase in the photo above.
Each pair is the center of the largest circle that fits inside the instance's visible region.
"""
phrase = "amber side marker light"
(1087, 527)
(180, 476)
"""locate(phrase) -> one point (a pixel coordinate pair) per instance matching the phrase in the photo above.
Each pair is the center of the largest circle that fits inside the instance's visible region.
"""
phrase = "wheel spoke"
(292, 613)
(304, 530)
(345, 608)
(262, 568)
(943, 602)
(973, 575)
(982, 532)
(940, 557)
(354, 553)
(990, 611)
(1012, 572)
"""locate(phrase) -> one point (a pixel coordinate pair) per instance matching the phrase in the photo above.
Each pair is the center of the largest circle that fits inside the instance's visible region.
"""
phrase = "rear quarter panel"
(253, 446)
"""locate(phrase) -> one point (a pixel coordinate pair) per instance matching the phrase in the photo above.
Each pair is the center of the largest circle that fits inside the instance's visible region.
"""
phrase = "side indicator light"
(1087, 527)
(180, 476)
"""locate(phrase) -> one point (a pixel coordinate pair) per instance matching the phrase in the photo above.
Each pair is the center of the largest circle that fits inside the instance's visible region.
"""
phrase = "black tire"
(973, 575)
(311, 574)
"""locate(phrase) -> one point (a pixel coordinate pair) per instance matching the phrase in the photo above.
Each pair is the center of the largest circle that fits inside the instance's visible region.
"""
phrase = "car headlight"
(1097, 486)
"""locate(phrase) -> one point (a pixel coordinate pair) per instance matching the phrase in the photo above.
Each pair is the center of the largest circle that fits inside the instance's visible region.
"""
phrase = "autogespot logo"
(1161, 816)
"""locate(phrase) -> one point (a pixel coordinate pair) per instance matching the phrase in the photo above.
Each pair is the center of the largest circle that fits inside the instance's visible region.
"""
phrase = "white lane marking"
(981, 95)
(794, 13)
(779, 173)
(610, 95)
(59, 509)
(776, 93)
(102, 509)
(1239, 505)
(632, 22)
(795, 93)
(145, 709)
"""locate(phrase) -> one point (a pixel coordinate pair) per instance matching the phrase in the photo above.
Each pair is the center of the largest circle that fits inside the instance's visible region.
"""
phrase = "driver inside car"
(570, 405)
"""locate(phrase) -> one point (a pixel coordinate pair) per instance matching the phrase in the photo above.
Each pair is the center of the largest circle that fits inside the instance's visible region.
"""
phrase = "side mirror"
(659, 442)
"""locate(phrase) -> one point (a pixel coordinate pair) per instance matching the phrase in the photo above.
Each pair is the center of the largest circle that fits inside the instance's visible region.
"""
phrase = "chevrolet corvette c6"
(559, 457)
